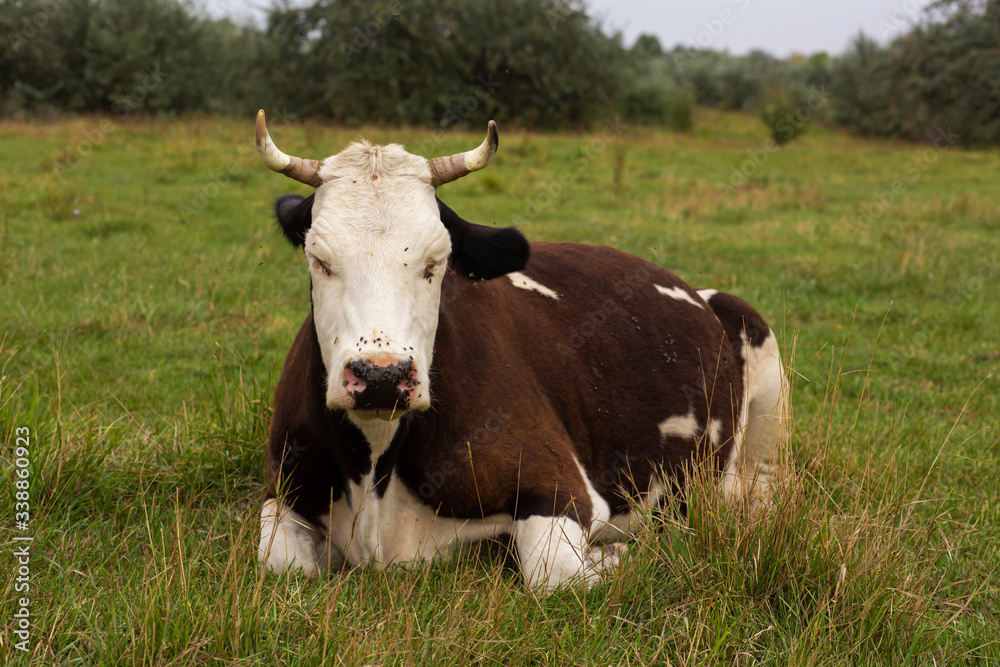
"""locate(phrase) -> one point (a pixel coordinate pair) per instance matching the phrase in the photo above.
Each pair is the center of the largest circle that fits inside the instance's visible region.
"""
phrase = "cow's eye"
(429, 271)
(320, 265)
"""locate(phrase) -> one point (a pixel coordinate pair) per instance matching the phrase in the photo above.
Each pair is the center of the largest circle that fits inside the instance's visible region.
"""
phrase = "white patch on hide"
(378, 432)
(677, 293)
(685, 426)
(715, 433)
(522, 281)
(399, 528)
(707, 294)
(600, 510)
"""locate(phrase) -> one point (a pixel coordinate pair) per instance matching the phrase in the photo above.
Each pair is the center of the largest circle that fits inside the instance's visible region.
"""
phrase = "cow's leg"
(554, 550)
(288, 541)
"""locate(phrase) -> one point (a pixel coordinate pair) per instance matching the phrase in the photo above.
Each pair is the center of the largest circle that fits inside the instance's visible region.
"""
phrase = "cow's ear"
(482, 252)
(294, 213)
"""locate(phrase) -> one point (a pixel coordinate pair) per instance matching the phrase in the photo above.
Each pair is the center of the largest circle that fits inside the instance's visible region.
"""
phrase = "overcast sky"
(780, 27)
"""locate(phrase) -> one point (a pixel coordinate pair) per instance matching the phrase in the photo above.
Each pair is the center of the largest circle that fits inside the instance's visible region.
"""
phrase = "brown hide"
(522, 384)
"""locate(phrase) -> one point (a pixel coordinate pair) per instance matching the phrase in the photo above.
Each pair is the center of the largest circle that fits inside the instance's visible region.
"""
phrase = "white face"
(377, 254)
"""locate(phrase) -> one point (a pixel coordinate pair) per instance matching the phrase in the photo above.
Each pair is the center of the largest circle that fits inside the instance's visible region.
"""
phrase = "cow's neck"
(378, 432)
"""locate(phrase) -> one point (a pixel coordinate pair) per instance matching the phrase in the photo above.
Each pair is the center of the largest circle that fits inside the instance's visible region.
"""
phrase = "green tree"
(122, 56)
(941, 77)
(543, 63)
(861, 88)
(653, 93)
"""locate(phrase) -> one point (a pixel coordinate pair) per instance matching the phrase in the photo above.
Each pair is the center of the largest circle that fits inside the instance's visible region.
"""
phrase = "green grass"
(142, 339)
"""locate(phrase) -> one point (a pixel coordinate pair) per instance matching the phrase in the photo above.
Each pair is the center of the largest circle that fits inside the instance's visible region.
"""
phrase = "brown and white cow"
(454, 382)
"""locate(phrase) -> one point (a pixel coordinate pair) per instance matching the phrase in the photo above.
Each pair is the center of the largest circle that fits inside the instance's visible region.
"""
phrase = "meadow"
(148, 301)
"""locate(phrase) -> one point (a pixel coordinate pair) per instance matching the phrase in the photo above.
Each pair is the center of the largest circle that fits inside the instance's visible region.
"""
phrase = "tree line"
(540, 64)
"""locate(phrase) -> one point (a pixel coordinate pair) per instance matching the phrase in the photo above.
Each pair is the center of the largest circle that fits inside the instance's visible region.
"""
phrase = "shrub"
(680, 117)
(788, 115)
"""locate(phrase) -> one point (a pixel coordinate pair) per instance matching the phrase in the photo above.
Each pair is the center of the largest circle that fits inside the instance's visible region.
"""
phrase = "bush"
(680, 117)
(789, 114)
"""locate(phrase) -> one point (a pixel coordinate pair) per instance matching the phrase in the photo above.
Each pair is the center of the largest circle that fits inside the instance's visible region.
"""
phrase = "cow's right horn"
(302, 170)
(452, 167)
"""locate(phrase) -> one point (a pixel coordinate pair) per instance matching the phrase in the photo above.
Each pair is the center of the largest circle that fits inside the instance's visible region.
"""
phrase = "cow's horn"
(302, 170)
(452, 167)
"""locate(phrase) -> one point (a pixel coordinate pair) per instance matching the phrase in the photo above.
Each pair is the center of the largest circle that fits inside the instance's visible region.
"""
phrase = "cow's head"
(378, 243)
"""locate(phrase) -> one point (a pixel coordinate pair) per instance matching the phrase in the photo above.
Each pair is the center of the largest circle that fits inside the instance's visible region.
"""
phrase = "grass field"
(148, 301)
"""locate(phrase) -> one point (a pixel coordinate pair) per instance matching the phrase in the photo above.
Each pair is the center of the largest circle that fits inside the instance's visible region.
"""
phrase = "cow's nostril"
(370, 372)
(352, 381)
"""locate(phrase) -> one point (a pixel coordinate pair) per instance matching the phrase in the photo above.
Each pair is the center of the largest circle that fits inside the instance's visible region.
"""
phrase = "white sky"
(780, 27)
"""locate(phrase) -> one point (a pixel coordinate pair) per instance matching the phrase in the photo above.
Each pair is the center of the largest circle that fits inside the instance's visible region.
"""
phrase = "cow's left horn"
(452, 167)
(302, 170)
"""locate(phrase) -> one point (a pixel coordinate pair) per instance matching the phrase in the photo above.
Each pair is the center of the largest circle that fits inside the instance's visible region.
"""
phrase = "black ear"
(482, 252)
(294, 213)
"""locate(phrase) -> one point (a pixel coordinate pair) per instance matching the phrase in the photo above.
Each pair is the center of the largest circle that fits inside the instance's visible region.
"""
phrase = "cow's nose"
(380, 386)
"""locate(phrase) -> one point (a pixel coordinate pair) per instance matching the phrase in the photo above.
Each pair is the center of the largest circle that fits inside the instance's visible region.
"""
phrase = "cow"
(454, 382)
